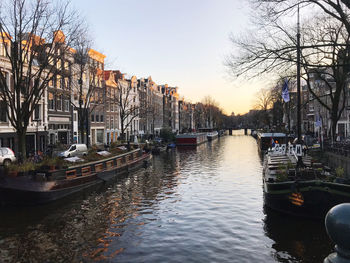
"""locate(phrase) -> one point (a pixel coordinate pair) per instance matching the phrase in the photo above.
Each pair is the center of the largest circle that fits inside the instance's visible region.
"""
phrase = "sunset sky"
(179, 42)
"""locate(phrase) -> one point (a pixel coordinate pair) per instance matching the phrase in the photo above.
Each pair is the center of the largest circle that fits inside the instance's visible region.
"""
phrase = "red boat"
(191, 139)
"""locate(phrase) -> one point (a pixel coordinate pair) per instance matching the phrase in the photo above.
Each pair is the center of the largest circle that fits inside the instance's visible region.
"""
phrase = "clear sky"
(179, 42)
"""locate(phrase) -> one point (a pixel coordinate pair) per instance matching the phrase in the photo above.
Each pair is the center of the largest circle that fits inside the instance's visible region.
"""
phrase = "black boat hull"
(306, 198)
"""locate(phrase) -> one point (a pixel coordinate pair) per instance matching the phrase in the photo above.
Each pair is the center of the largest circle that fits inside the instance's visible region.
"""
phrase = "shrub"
(281, 177)
(339, 171)
(23, 167)
(167, 135)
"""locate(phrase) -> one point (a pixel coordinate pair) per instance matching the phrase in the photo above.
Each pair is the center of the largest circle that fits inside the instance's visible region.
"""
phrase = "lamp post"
(36, 135)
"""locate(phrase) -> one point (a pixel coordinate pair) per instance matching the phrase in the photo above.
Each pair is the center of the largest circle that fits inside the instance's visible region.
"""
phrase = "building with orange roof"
(111, 106)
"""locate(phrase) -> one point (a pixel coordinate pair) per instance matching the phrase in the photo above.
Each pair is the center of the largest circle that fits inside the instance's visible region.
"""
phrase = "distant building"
(112, 109)
(97, 105)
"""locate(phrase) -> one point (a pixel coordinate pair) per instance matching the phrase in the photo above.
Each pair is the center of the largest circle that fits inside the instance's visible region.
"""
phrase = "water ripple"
(193, 205)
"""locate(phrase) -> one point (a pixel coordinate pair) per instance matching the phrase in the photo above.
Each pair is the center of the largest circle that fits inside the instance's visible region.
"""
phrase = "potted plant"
(16, 169)
(339, 172)
(282, 174)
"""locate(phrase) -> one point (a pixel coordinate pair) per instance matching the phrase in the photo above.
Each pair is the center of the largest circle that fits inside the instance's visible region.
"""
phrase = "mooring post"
(338, 229)
(230, 131)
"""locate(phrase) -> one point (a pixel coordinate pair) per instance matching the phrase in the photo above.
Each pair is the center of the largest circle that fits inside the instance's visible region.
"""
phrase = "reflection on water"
(296, 240)
(201, 204)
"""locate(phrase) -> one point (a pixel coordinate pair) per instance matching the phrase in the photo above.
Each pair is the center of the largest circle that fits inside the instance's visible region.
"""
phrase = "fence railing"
(341, 148)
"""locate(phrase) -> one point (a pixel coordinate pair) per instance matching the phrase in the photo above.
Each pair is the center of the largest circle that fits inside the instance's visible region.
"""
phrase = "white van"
(75, 150)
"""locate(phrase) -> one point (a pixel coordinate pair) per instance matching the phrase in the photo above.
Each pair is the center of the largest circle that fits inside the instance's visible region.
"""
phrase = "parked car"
(7, 156)
(75, 150)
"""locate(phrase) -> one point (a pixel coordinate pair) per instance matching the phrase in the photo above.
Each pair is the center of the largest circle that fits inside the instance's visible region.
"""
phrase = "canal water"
(201, 204)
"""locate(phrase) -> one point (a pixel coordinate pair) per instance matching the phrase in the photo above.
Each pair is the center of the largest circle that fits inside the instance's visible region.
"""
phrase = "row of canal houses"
(150, 107)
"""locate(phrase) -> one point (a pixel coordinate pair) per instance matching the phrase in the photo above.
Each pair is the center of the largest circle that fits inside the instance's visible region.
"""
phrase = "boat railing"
(93, 167)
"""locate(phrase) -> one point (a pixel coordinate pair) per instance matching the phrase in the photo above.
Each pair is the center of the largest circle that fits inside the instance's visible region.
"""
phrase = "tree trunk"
(122, 129)
(81, 126)
(334, 125)
(22, 149)
(86, 127)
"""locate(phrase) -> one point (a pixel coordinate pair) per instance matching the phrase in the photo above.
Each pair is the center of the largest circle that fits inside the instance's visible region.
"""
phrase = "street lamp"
(36, 136)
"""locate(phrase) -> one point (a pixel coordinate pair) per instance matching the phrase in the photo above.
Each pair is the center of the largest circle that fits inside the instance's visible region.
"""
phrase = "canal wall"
(336, 160)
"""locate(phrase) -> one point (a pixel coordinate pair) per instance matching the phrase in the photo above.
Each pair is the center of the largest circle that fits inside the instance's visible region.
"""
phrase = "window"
(66, 105)
(37, 114)
(59, 64)
(73, 148)
(51, 83)
(51, 101)
(112, 122)
(93, 117)
(58, 81)
(59, 102)
(99, 135)
(65, 83)
(107, 122)
(101, 118)
(3, 116)
(97, 118)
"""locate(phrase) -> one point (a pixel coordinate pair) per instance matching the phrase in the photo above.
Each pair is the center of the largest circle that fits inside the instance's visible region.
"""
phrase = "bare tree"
(324, 51)
(264, 102)
(128, 110)
(35, 35)
(199, 115)
(210, 106)
(274, 9)
(87, 76)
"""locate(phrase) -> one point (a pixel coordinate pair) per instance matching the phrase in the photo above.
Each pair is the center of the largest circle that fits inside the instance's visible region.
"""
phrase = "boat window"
(73, 148)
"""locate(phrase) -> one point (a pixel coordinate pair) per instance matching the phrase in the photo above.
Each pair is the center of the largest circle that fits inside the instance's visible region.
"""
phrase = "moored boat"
(212, 135)
(265, 139)
(49, 186)
(191, 139)
(308, 191)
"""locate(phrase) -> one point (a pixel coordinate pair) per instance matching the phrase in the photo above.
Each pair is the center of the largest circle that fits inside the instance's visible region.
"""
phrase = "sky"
(181, 43)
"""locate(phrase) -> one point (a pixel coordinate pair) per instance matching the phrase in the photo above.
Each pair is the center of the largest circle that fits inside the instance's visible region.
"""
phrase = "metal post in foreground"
(338, 229)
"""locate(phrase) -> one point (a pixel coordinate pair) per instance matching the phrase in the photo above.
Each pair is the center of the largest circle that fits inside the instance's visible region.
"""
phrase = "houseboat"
(266, 139)
(191, 139)
(309, 191)
(212, 135)
(48, 186)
